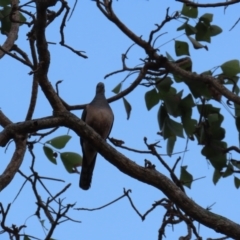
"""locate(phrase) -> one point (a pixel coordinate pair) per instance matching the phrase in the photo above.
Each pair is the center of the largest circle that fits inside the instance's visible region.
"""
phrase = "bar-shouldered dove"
(99, 116)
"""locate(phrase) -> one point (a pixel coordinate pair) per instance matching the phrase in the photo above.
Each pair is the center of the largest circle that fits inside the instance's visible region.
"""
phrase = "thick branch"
(153, 178)
(44, 59)
(17, 158)
(15, 162)
(28, 127)
(124, 164)
(174, 68)
(107, 11)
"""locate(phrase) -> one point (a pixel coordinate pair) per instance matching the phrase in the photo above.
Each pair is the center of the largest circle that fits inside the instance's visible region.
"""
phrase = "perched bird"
(99, 116)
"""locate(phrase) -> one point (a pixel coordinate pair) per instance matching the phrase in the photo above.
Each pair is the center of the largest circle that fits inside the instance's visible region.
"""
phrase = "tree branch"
(125, 165)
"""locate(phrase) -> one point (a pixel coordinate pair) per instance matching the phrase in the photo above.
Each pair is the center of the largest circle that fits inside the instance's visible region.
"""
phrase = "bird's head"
(100, 88)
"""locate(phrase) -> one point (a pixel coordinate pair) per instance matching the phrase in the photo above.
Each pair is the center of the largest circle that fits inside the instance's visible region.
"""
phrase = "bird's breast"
(101, 121)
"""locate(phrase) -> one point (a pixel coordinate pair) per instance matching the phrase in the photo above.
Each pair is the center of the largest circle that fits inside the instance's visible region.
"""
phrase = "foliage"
(193, 116)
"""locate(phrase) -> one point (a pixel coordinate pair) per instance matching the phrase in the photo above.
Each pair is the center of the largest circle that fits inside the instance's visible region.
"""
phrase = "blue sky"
(90, 31)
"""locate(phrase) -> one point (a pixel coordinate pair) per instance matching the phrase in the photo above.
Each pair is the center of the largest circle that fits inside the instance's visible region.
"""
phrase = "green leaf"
(170, 145)
(189, 125)
(216, 176)
(187, 102)
(49, 154)
(203, 32)
(42, 223)
(209, 151)
(5, 21)
(182, 27)
(163, 95)
(235, 163)
(206, 18)
(196, 44)
(128, 107)
(217, 132)
(237, 182)
(181, 48)
(167, 131)
(59, 142)
(164, 85)
(212, 118)
(169, 57)
(22, 18)
(71, 160)
(237, 111)
(117, 89)
(4, 3)
(238, 123)
(231, 68)
(187, 65)
(162, 115)
(151, 98)
(218, 161)
(229, 170)
(185, 177)
(214, 30)
(207, 109)
(172, 102)
(190, 30)
(189, 11)
(176, 127)
(209, 73)
(26, 237)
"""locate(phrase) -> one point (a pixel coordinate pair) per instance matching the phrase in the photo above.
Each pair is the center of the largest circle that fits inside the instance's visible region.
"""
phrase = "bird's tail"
(86, 175)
